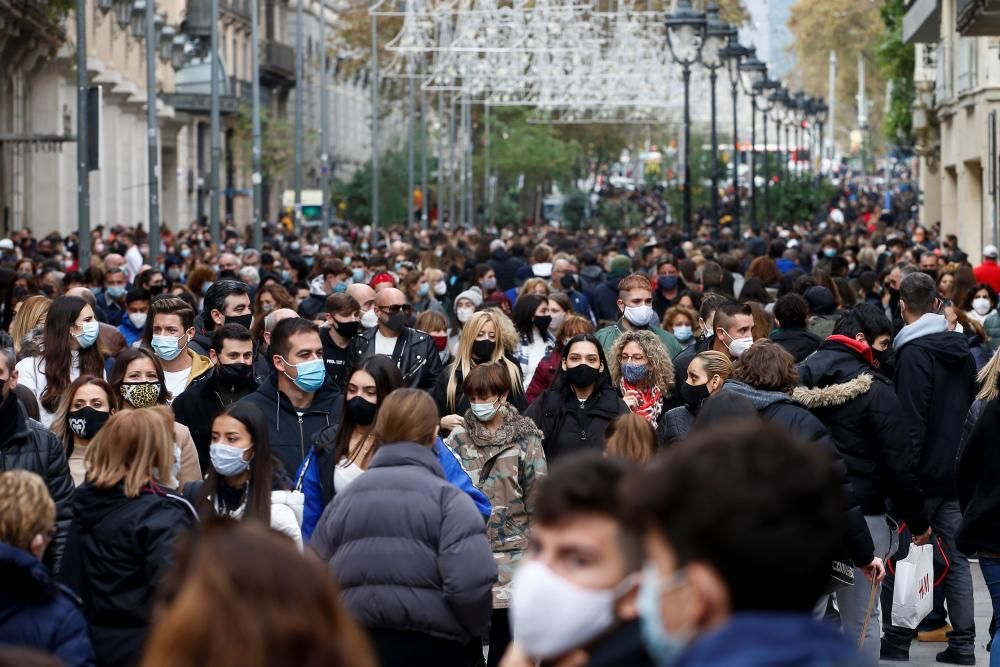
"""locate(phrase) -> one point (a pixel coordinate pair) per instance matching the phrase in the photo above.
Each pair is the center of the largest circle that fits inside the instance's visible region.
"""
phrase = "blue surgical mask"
(830, 252)
(185, 252)
(358, 275)
(115, 291)
(634, 373)
(167, 348)
(311, 374)
(309, 260)
(423, 290)
(484, 411)
(665, 649)
(285, 275)
(340, 288)
(227, 460)
(88, 336)
(682, 332)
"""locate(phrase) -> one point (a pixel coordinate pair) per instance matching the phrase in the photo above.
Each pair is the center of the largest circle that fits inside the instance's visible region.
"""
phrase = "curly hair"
(768, 367)
(661, 368)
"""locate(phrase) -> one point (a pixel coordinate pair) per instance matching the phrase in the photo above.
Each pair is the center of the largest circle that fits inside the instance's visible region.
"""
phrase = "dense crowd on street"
(503, 447)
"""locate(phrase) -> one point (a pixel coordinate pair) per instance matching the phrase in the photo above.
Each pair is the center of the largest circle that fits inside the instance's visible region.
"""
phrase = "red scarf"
(649, 405)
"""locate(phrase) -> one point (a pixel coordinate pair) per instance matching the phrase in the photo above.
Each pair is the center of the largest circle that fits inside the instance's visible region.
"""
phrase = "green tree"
(896, 62)
(356, 194)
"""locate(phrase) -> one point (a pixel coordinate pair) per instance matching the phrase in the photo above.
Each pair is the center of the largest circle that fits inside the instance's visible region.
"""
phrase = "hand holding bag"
(913, 593)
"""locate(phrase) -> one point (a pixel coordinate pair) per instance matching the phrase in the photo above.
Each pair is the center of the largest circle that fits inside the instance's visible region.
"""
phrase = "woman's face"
(362, 384)
(487, 332)
(86, 315)
(464, 303)
(540, 290)
(141, 370)
(696, 375)
(983, 294)
(267, 302)
(542, 310)
(90, 395)
(555, 310)
(232, 432)
(686, 302)
(633, 354)
(945, 284)
(489, 275)
(583, 352)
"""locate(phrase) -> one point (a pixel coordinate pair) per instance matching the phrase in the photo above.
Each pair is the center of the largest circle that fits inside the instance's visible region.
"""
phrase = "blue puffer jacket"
(309, 481)
(409, 549)
(35, 611)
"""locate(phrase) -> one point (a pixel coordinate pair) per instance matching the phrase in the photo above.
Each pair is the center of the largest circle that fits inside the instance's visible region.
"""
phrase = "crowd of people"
(511, 447)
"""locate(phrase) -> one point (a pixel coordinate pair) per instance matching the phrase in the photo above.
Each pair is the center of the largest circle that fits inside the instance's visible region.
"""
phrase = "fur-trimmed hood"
(834, 394)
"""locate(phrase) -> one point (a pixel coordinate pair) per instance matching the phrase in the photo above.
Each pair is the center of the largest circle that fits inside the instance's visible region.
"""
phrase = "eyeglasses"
(396, 308)
(637, 358)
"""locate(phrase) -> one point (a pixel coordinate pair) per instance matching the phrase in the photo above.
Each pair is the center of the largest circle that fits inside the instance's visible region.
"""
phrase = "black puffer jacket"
(118, 549)
(780, 409)
(604, 303)
(570, 427)
(505, 267)
(799, 343)
(675, 425)
(415, 356)
(34, 448)
(861, 410)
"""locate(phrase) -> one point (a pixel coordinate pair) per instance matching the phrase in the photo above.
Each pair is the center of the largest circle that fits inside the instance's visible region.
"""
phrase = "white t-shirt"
(536, 352)
(177, 382)
(384, 345)
(31, 374)
(346, 472)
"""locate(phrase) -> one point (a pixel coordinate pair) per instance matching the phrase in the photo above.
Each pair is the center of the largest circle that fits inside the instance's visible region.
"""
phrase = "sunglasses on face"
(396, 308)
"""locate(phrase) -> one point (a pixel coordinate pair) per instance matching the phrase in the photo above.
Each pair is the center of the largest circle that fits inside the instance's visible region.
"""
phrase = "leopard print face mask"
(141, 394)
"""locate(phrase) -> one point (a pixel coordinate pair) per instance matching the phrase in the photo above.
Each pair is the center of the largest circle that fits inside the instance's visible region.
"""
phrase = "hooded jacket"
(505, 266)
(293, 434)
(403, 506)
(37, 612)
(863, 414)
(201, 342)
(799, 343)
(415, 356)
(118, 549)
(568, 426)
(604, 303)
(936, 383)
(200, 404)
(780, 409)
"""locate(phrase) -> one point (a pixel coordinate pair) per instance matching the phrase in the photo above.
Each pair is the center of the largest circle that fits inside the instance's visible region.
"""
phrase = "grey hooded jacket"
(409, 548)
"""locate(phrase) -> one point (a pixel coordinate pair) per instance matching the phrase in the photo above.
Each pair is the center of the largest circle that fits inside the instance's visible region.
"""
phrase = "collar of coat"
(513, 428)
(834, 394)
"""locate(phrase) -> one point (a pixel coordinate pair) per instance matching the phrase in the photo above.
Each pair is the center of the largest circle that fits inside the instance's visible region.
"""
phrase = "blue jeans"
(991, 573)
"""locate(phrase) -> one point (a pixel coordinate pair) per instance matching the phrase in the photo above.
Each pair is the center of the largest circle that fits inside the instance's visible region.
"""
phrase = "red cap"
(380, 278)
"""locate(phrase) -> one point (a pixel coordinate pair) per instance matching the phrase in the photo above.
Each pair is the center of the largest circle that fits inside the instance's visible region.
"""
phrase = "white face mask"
(138, 319)
(738, 346)
(463, 314)
(981, 306)
(369, 319)
(550, 615)
(440, 288)
(557, 321)
(639, 316)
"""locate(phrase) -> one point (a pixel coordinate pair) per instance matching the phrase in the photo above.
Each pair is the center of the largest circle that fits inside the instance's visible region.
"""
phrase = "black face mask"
(542, 322)
(582, 375)
(232, 375)
(567, 281)
(396, 322)
(694, 396)
(360, 411)
(157, 289)
(930, 272)
(346, 329)
(893, 293)
(886, 361)
(482, 350)
(87, 421)
(245, 320)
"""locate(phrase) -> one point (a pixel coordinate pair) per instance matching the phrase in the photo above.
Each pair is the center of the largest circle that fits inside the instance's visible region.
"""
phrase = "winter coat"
(863, 415)
(505, 266)
(822, 325)
(34, 448)
(409, 549)
(292, 435)
(978, 349)
(936, 382)
(604, 303)
(315, 479)
(992, 326)
(623, 646)
(201, 343)
(799, 343)
(198, 407)
(313, 306)
(978, 483)
(131, 332)
(111, 311)
(569, 427)
(414, 354)
(761, 639)
(580, 303)
(283, 502)
(611, 333)
(781, 410)
(591, 277)
(675, 425)
(37, 612)
(117, 551)
(542, 379)
(504, 465)
(988, 272)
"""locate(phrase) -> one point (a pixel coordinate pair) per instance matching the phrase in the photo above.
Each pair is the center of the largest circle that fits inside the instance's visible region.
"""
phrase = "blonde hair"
(715, 363)
(632, 438)
(26, 508)
(507, 341)
(29, 313)
(406, 415)
(529, 287)
(661, 368)
(128, 448)
(433, 276)
(988, 378)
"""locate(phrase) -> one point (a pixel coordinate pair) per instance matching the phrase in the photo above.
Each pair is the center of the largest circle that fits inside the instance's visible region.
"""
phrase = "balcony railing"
(239, 7)
(977, 18)
(278, 60)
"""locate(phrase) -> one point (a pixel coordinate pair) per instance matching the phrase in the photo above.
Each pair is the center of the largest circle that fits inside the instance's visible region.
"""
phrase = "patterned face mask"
(141, 394)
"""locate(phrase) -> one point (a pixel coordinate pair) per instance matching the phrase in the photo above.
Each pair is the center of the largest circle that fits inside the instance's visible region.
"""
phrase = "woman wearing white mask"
(559, 308)
(983, 303)
(71, 348)
(243, 481)
(502, 452)
(465, 305)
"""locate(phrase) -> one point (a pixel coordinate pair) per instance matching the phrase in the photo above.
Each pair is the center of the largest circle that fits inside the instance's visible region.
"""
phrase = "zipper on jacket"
(302, 439)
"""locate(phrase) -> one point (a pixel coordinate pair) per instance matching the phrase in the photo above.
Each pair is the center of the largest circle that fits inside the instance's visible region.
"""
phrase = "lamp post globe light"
(734, 54)
(801, 115)
(123, 13)
(685, 33)
(767, 92)
(822, 113)
(138, 26)
(712, 58)
(752, 75)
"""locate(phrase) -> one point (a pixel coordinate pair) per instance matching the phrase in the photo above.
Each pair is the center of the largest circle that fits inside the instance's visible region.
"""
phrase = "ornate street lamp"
(105, 5)
(753, 73)
(735, 54)
(166, 42)
(767, 92)
(178, 51)
(138, 18)
(123, 13)
(685, 33)
(712, 57)
(822, 112)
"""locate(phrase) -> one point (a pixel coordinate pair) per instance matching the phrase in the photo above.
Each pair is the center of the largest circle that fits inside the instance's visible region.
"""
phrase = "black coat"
(568, 426)
(505, 266)
(117, 551)
(415, 355)
(622, 647)
(978, 480)
(34, 448)
(604, 303)
(198, 407)
(799, 343)
(312, 306)
(201, 343)
(291, 435)
(862, 413)
(935, 381)
(781, 410)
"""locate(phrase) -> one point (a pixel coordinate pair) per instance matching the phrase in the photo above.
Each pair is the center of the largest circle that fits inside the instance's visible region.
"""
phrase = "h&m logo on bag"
(924, 587)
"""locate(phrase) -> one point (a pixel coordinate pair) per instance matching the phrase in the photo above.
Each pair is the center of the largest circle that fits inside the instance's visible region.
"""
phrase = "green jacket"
(609, 334)
(505, 466)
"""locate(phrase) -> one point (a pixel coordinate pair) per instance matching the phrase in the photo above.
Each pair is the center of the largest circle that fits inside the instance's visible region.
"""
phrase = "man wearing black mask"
(412, 350)
(226, 302)
(342, 326)
(230, 380)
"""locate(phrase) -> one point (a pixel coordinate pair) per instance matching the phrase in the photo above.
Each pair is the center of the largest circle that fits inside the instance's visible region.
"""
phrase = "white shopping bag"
(913, 592)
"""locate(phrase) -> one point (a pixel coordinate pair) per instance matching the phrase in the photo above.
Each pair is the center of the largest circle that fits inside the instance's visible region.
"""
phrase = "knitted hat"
(621, 264)
(472, 295)
(380, 278)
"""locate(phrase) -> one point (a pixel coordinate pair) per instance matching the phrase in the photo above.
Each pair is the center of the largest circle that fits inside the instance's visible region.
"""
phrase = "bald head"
(272, 320)
(363, 294)
(114, 261)
(229, 262)
(390, 307)
(390, 296)
(84, 294)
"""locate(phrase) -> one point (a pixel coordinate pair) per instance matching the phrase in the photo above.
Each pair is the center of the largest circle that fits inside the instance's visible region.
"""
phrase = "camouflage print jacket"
(505, 466)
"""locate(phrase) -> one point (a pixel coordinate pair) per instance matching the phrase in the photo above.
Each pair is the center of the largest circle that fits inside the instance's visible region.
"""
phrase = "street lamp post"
(152, 164)
(752, 73)
(767, 91)
(801, 111)
(299, 91)
(822, 111)
(780, 109)
(685, 30)
(712, 58)
(735, 54)
(255, 152)
(215, 123)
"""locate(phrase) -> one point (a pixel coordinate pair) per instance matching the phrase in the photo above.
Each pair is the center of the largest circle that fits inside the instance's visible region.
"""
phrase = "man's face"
(388, 303)
(741, 326)
(233, 352)
(928, 262)
(881, 343)
(667, 270)
(302, 347)
(634, 298)
(229, 263)
(559, 269)
(233, 305)
(895, 277)
(114, 280)
(168, 324)
(138, 307)
(585, 549)
(156, 283)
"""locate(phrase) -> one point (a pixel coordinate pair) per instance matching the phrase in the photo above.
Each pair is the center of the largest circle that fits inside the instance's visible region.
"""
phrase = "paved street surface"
(923, 654)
